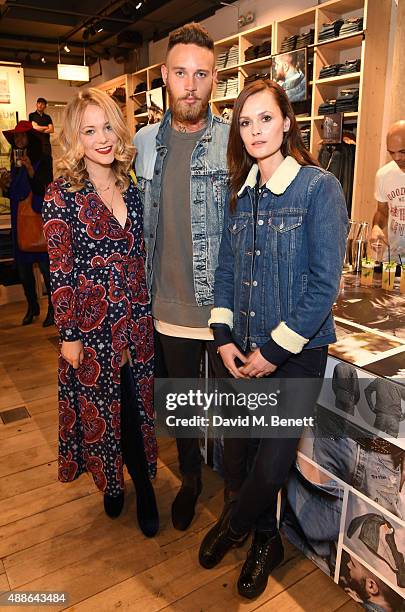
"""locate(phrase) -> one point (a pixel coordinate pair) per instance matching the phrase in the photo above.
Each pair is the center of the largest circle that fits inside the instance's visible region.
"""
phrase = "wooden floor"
(57, 537)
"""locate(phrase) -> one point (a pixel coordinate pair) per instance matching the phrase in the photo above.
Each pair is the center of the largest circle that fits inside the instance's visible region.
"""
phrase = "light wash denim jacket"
(281, 289)
(208, 190)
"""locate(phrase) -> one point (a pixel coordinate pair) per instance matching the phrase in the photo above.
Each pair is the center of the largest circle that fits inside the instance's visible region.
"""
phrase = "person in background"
(389, 218)
(31, 172)
(280, 264)
(182, 177)
(43, 124)
(93, 227)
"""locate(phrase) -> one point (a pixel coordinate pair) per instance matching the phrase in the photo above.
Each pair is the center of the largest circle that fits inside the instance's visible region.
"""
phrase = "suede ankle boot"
(183, 507)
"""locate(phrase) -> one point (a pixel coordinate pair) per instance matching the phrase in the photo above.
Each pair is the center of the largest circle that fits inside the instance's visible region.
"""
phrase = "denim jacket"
(278, 293)
(208, 189)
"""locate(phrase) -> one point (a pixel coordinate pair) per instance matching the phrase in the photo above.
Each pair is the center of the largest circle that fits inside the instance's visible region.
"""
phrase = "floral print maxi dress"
(100, 297)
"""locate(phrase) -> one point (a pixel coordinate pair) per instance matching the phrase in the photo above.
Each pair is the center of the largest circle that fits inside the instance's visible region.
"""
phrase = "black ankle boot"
(134, 456)
(113, 505)
(32, 311)
(265, 554)
(49, 320)
(183, 507)
(219, 540)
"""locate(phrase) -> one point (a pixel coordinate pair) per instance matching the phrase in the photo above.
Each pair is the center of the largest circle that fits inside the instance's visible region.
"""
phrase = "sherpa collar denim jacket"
(279, 289)
(208, 189)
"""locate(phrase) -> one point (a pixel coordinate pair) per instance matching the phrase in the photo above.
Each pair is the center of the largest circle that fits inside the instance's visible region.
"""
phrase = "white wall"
(46, 87)
(225, 21)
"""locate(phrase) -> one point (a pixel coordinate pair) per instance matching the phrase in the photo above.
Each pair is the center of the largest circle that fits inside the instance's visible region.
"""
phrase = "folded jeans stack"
(233, 56)
(140, 87)
(232, 86)
(220, 91)
(251, 53)
(221, 60)
(329, 70)
(347, 101)
(264, 76)
(305, 39)
(330, 30)
(327, 108)
(350, 66)
(306, 135)
(351, 25)
(289, 43)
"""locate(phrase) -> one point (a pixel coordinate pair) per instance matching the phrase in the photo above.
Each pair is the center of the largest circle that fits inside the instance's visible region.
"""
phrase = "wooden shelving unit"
(124, 82)
(370, 46)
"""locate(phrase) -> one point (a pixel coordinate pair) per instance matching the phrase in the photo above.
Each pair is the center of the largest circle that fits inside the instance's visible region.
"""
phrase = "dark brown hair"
(239, 160)
(191, 34)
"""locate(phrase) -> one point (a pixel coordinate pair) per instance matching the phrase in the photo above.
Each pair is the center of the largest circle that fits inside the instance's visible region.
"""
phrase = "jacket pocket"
(237, 229)
(286, 229)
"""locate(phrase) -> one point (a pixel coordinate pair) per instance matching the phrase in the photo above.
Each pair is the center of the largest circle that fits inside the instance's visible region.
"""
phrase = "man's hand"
(257, 366)
(229, 352)
(73, 353)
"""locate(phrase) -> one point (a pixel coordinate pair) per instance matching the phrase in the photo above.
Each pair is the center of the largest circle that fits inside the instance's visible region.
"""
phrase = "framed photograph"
(290, 71)
(332, 127)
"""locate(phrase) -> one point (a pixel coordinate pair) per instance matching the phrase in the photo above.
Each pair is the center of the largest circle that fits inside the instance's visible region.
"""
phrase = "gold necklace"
(99, 191)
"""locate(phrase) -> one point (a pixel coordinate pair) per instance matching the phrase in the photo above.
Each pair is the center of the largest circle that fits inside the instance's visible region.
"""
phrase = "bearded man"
(182, 177)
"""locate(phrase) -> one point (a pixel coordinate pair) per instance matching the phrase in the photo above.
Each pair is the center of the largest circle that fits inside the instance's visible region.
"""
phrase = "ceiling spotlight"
(43, 60)
(138, 6)
(66, 48)
(100, 29)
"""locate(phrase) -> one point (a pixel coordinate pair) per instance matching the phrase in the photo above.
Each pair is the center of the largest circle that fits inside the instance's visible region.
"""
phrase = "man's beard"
(185, 113)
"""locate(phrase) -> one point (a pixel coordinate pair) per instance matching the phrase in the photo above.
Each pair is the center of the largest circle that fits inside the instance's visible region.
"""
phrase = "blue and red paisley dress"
(100, 297)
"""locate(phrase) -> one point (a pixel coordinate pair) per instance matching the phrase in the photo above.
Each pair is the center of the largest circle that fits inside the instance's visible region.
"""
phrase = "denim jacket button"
(260, 222)
(253, 345)
(254, 283)
(258, 252)
(252, 313)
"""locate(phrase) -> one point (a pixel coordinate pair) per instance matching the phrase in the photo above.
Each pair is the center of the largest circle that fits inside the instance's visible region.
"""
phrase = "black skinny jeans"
(181, 358)
(27, 278)
(256, 505)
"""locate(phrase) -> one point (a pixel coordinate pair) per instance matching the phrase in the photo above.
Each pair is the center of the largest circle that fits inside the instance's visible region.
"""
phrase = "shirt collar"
(281, 179)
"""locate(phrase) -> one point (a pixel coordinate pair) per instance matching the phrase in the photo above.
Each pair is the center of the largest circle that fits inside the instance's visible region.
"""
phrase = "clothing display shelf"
(122, 84)
(147, 76)
(370, 46)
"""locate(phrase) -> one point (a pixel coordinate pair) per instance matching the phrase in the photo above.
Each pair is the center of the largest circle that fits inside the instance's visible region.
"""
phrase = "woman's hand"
(257, 366)
(229, 352)
(25, 161)
(73, 353)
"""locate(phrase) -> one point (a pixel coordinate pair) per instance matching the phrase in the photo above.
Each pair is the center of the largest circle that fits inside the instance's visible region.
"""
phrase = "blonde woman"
(93, 227)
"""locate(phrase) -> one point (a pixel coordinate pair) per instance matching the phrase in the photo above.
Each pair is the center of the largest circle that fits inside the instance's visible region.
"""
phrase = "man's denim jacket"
(208, 189)
(279, 291)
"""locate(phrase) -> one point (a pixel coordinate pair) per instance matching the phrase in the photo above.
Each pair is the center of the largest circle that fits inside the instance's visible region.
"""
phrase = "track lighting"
(66, 48)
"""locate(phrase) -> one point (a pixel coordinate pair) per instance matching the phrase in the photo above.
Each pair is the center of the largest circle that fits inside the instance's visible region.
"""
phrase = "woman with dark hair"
(280, 263)
(30, 172)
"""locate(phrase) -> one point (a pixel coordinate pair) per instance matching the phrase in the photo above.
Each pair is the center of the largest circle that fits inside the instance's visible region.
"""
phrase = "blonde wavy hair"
(71, 164)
